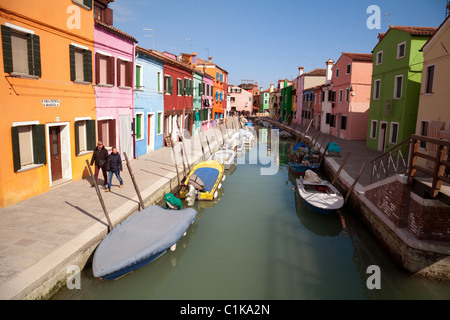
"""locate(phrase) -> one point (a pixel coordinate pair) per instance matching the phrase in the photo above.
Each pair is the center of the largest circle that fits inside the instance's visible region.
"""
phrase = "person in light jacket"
(115, 166)
(100, 157)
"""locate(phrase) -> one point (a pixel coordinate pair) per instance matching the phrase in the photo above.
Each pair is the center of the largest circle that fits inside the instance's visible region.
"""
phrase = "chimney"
(210, 59)
(329, 72)
(194, 59)
(300, 71)
(271, 87)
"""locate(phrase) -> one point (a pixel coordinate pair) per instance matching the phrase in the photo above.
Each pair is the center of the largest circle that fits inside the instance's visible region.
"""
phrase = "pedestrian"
(100, 157)
(115, 166)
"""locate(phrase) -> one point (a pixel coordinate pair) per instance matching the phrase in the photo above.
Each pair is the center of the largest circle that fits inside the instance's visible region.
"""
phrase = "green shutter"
(88, 3)
(138, 126)
(39, 154)
(87, 65)
(77, 139)
(72, 62)
(90, 135)
(170, 85)
(7, 49)
(15, 148)
(138, 78)
(34, 54)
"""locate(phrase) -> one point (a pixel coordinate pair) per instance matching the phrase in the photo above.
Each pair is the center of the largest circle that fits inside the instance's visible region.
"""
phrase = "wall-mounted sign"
(50, 102)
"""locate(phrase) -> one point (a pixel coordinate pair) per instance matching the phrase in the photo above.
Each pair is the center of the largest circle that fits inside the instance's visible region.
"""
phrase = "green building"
(197, 99)
(396, 83)
(264, 101)
(286, 101)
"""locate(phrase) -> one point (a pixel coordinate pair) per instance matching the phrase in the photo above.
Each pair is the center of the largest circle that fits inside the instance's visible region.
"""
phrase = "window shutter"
(90, 135)
(170, 85)
(129, 75)
(97, 68)
(7, 49)
(34, 54)
(112, 133)
(72, 62)
(77, 139)
(39, 153)
(15, 147)
(118, 72)
(87, 65)
(88, 3)
(110, 71)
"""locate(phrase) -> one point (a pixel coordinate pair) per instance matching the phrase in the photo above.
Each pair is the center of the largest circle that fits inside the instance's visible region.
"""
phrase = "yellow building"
(433, 119)
(48, 103)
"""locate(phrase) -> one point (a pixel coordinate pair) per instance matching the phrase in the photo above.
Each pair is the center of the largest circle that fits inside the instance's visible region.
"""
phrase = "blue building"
(149, 101)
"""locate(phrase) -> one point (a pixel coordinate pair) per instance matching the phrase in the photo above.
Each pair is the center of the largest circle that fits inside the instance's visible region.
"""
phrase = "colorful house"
(48, 115)
(206, 113)
(308, 104)
(319, 96)
(352, 76)
(286, 101)
(178, 93)
(328, 98)
(114, 83)
(396, 82)
(149, 100)
(433, 117)
(264, 101)
(240, 100)
(307, 80)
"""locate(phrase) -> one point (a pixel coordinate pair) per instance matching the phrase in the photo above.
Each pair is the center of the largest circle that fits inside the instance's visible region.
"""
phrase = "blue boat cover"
(333, 147)
(140, 239)
(208, 176)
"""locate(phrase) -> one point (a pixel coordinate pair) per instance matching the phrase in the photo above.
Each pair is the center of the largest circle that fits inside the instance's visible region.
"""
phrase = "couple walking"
(107, 162)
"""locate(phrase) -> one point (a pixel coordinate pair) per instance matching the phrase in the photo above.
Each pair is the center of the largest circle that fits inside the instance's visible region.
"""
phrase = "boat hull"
(301, 169)
(321, 197)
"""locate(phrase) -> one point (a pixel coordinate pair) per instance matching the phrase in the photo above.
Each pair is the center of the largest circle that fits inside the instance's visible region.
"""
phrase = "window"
(80, 64)
(401, 50)
(86, 3)
(398, 88)
(343, 123)
(28, 143)
(379, 58)
(124, 74)
(221, 77)
(21, 51)
(159, 81)
(373, 129)
(232, 99)
(349, 68)
(179, 87)
(104, 69)
(340, 95)
(159, 128)
(188, 87)
(201, 89)
(139, 126)
(98, 13)
(429, 80)
(424, 132)
(376, 89)
(168, 85)
(394, 133)
(337, 73)
(347, 95)
(332, 121)
(107, 132)
(84, 136)
(138, 82)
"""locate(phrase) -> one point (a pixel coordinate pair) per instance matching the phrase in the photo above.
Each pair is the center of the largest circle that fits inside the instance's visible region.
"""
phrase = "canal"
(258, 242)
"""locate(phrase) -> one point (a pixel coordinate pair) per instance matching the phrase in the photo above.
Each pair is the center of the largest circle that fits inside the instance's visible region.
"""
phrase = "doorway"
(150, 132)
(125, 136)
(55, 153)
(382, 137)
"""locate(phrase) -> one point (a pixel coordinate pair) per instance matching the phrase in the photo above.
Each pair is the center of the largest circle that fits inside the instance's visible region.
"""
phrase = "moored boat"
(203, 182)
(319, 195)
(226, 157)
(139, 240)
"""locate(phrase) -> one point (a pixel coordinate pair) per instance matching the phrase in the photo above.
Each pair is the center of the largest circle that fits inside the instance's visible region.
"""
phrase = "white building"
(329, 99)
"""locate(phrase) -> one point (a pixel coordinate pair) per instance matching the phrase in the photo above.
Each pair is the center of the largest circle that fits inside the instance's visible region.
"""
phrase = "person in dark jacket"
(115, 166)
(100, 157)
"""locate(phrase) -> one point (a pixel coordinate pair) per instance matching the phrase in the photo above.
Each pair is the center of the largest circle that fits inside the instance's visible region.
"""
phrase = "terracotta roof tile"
(115, 30)
(359, 56)
(417, 31)
(316, 73)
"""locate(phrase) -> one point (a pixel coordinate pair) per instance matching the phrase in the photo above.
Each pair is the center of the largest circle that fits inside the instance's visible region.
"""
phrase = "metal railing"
(391, 162)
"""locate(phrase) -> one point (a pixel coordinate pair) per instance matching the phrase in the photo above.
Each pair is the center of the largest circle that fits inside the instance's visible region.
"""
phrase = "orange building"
(220, 86)
(48, 103)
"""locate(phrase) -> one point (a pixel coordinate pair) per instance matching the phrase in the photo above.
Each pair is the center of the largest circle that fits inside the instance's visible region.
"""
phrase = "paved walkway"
(40, 236)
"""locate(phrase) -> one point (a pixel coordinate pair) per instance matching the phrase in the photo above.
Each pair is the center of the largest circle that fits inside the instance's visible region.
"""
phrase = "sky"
(265, 41)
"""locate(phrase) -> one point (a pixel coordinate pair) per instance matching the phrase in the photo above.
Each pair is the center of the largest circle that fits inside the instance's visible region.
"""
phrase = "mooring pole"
(169, 141)
(182, 143)
(201, 143)
(340, 168)
(110, 225)
(141, 202)
(325, 151)
(355, 182)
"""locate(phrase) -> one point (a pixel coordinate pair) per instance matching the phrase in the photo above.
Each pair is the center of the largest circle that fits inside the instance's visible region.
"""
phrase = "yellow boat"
(203, 182)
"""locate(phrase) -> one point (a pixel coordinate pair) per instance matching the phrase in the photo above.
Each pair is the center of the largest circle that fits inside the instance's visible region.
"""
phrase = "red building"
(178, 96)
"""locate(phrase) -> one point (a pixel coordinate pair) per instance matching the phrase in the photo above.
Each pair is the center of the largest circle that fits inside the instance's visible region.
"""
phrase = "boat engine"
(196, 186)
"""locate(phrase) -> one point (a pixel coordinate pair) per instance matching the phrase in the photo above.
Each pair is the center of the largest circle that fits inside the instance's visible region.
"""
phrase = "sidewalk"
(40, 237)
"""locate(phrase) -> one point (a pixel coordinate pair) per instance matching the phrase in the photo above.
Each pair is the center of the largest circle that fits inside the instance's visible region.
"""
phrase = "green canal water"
(258, 242)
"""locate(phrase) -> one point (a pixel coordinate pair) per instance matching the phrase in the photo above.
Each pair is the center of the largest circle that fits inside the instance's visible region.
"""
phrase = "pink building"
(241, 100)
(207, 99)
(352, 76)
(114, 83)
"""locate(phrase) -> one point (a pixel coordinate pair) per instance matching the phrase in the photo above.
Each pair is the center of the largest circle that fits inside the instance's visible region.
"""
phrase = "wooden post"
(414, 148)
(201, 143)
(134, 182)
(340, 168)
(209, 147)
(182, 143)
(355, 182)
(169, 142)
(324, 151)
(309, 127)
(439, 170)
(110, 225)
